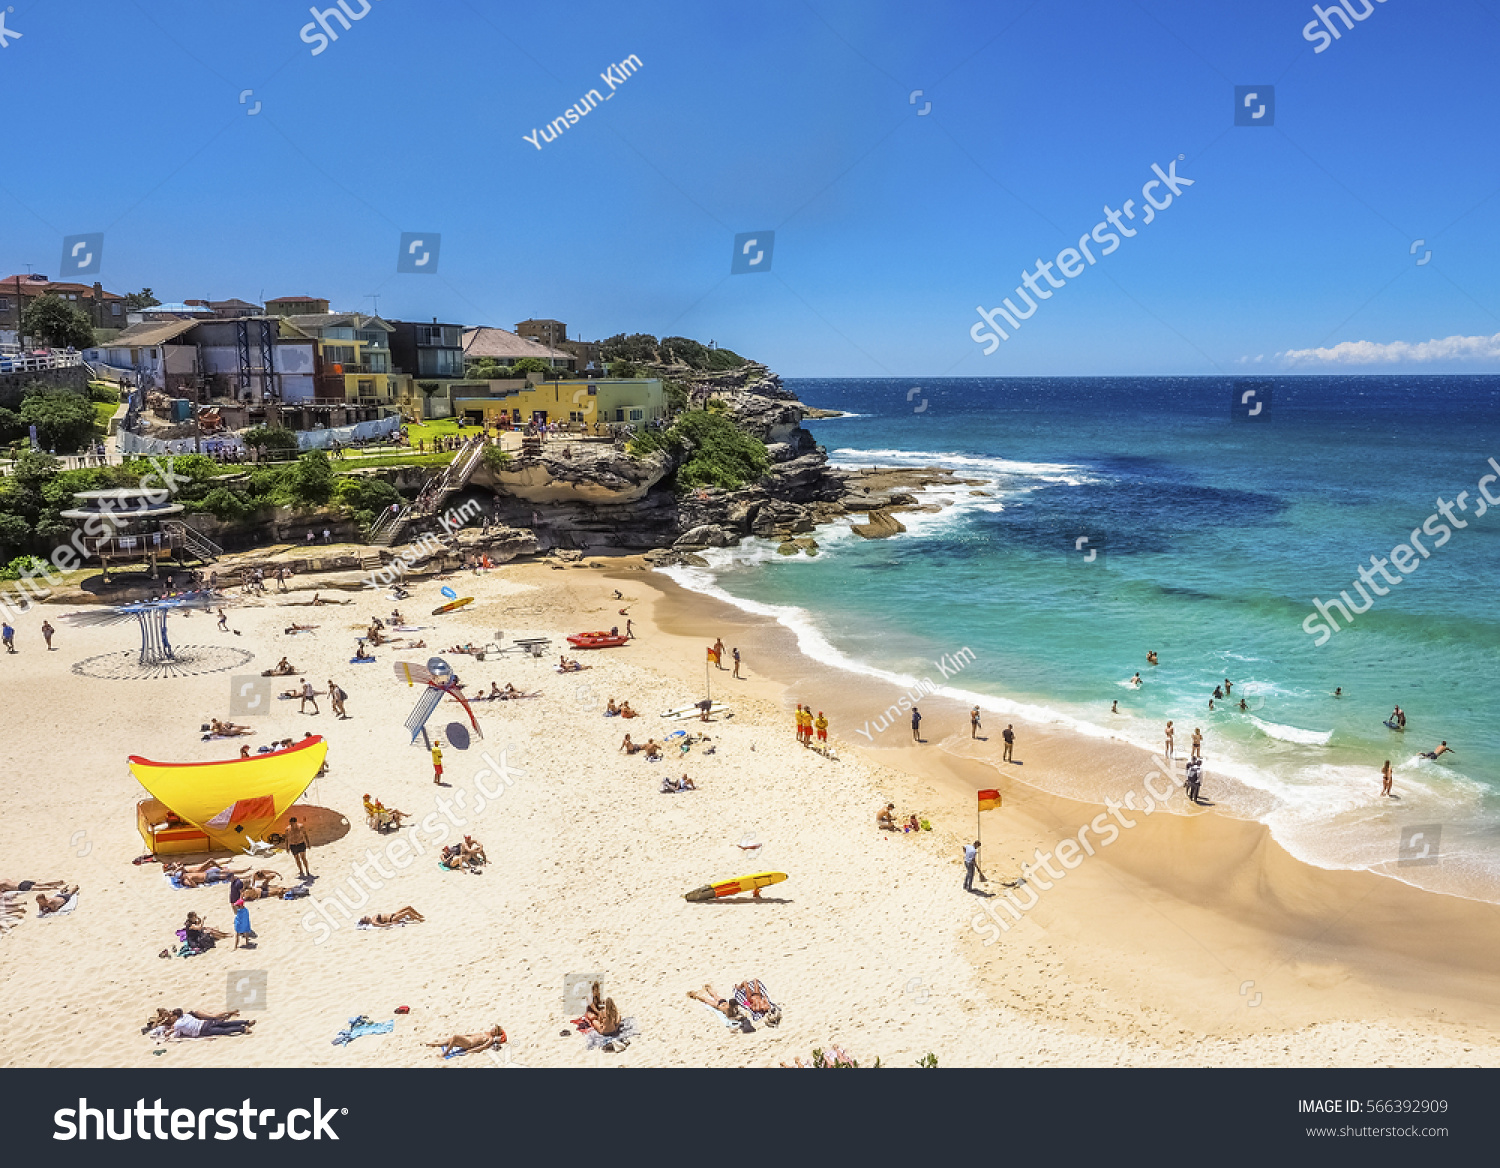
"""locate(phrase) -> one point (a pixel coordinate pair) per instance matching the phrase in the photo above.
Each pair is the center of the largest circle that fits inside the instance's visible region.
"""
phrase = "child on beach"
(242, 930)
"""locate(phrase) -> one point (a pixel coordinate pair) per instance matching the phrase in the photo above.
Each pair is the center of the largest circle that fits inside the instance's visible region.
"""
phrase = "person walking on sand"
(1386, 778)
(1169, 740)
(1008, 736)
(1197, 743)
(916, 724)
(296, 843)
(47, 631)
(8, 637)
(735, 653)
(719, 652)
(308, 695)
(971, 866)
(974, 722)
(337, 696)
(437, 763)
(223, 622)
(629, 629)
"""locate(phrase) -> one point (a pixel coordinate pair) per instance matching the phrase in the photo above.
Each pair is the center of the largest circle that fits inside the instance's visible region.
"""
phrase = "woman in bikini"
(493, 1037)
(602, 1014)
(726, 1006)
(386, 920)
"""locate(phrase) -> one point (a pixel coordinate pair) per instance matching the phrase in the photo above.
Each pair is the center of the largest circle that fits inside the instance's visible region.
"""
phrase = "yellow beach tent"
(237, 800)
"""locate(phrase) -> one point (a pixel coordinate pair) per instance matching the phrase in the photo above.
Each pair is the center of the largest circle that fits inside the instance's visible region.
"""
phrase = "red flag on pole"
(989, 800)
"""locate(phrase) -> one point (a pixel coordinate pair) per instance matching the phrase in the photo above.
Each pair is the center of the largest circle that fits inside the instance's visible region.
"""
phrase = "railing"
(196, 542)
(435, 492)
(32, 363)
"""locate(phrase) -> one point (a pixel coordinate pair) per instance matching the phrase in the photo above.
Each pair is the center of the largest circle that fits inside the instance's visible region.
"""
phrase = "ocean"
(1212, 534)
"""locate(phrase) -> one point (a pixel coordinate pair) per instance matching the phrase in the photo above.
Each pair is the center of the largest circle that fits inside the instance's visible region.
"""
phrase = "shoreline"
(1209, 885)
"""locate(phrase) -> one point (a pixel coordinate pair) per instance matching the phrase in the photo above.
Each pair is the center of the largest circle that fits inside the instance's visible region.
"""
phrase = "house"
(159, 354)
(229, 309)
(354, 357)
(554, 334)
(607, 400)
(433, 354)
(295, 306)
(507, 348)
(106, 310)
(188, 310)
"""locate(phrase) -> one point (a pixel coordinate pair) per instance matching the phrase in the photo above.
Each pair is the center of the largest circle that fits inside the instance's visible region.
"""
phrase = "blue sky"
(891, 225)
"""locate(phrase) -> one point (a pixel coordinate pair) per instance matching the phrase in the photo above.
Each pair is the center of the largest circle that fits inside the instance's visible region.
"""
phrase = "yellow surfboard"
(735, 887)
(453, 606)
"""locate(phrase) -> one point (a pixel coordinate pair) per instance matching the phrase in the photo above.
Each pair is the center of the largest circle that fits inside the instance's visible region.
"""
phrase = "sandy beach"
(1190, 939)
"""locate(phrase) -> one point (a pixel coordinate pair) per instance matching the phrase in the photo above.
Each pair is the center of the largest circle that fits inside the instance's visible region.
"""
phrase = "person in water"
(1338, 691)
(1136, 680)
(1443, 748)
(1151, 657)
(1243, 706)
(1385, 778)
(1218, 694)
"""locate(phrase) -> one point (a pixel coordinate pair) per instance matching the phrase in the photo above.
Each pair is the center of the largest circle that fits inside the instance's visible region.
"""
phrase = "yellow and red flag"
(989, 800)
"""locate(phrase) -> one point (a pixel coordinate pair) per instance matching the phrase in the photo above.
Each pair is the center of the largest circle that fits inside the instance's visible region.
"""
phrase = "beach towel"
(727, 1023)
(743, 998)
(361, 1026)
(597, 1041)
(68, 906)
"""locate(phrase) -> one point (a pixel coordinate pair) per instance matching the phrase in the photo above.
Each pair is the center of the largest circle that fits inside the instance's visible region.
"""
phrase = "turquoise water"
(1212, 538)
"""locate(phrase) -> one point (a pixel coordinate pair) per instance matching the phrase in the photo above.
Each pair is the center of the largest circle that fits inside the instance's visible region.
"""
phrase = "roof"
(291, 299)
(154, 332)
(31, 286)
(232, 303)
(318, 320)
(498, 342)
(198, 309)
(539, 320)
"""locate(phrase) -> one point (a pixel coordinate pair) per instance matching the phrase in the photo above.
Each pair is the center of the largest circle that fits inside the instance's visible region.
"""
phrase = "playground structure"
(438, 676)
(157, 656)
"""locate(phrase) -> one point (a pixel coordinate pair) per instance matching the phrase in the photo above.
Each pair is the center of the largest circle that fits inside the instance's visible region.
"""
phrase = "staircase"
(200, 546)
(442, 486)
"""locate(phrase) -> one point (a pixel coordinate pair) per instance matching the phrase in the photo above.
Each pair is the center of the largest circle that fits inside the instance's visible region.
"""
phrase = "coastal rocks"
(790, 546)
(672, 557)
(593, 473)
(879, 524)
(708, 535)
(777, 517)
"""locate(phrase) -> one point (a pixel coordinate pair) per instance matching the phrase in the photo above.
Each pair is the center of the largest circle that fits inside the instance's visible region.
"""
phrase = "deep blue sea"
(1212, 538)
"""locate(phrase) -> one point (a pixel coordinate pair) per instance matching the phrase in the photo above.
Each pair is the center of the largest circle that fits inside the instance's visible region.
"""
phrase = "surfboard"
(453, 606)
(694, 711)
(735, 887)
(1393, 726)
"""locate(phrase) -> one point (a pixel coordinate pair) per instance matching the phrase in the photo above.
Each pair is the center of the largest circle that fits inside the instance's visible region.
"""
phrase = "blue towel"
(359, 1027)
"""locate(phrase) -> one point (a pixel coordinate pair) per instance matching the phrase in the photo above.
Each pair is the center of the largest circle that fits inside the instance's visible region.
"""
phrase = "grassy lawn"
(439, 428)
(103, 412)
(343, 464)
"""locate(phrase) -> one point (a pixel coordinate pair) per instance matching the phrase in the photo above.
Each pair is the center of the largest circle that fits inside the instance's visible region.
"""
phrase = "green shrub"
(270, 438)
(64, 420)
(494, 458)
(310, 481)
(23, 566)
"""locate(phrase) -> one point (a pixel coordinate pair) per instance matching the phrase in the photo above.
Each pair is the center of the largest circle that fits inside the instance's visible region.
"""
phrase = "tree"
(635, 347)
(64, 420)
(141, 299)
(270, 438)
(720, 454)
(312, 479)
(54, 321)
(530, 365)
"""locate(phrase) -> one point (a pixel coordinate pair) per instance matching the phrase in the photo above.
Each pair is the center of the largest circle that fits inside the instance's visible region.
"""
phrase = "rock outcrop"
(879, 524)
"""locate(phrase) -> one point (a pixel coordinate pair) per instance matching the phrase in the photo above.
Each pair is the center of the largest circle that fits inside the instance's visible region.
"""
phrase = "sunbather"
(208, 872)
(283, 669)
(56, 901)
(626, 711)
(726, 1006)
(27, 885)
(386, 920)
(195, 1024)
(493, 1037)
(630, 747)
(227, 729)
(296, 628)
(382, 815)
(601, 1013)
(200, 935)
(755, 1001)
(652, 749)
(473, 851)
(669, 784)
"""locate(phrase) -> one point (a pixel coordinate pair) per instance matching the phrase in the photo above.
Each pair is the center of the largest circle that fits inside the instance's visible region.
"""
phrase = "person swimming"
(1136, 680)
(1443, 748)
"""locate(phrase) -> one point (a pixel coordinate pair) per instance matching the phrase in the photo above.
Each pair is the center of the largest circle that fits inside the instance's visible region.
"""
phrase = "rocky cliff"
(596, 496)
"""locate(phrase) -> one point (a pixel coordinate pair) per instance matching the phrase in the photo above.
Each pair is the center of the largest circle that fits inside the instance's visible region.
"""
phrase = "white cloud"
(1398, 352)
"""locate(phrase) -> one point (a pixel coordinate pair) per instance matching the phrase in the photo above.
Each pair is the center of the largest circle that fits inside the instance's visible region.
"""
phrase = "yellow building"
(608, 400)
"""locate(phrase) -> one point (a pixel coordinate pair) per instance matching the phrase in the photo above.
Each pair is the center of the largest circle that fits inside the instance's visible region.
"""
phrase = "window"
(340, 354)
(576, 416)
(637, 415)
(4, 303)
(448, 363)
(429, 334)
(619, 415)
(114, 309)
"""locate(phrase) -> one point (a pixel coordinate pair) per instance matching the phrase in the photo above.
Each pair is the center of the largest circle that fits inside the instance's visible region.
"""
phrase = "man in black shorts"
(296, 842)
(1009, 735)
